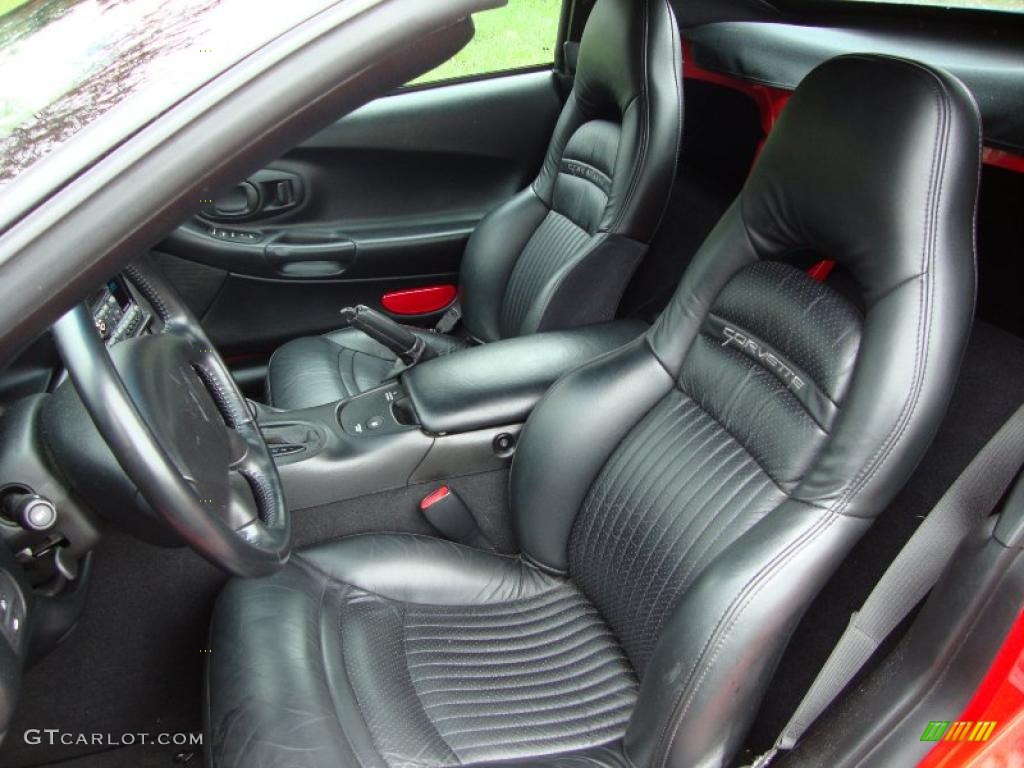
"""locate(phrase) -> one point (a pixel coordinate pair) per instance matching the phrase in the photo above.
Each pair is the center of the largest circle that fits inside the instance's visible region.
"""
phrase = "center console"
(449, 416)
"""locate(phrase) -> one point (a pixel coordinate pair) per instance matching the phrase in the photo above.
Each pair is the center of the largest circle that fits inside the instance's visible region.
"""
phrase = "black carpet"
(486, 495)
(133, 664)
(136, 757)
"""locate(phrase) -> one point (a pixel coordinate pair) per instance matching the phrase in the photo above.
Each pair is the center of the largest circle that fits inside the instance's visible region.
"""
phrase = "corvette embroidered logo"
(960, 730)
(763, 355)
(584, 171)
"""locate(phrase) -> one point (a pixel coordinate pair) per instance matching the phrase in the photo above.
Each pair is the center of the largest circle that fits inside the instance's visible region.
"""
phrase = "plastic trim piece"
(419, 301)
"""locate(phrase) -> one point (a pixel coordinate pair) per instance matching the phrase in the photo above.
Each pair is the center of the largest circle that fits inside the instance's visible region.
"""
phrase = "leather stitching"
(527, 284)
(326, 677)
(419, 699)
(726, 622)
(331, 580)
(788, 392)
(641, 158)
(597, 241)
(935, 181)
(871, 468)
(739, 442)
(677, 45)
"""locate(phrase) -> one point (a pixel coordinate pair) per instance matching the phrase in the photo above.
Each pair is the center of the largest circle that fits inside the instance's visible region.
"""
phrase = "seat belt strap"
(450, 319)
(916, 569)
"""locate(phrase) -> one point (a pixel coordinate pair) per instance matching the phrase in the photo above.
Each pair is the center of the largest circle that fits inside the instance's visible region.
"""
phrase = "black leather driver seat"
(671, 544)
(560, 253)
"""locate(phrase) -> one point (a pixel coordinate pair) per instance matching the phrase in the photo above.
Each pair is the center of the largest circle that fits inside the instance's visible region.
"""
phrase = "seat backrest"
(701, 484)
(560, 253)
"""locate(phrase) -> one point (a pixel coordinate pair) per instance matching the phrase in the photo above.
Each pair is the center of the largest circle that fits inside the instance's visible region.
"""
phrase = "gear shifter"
(409, 347)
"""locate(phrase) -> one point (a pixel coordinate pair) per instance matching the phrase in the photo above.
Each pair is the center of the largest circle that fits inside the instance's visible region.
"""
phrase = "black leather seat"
(560, 253)
(678, 502)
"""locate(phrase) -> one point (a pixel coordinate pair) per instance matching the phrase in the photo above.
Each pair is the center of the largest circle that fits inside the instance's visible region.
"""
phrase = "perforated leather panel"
(580, 197)
(448, 685)
(557, 241)
(816, 327)
(376, 664)
(718, 453)
(677, 491)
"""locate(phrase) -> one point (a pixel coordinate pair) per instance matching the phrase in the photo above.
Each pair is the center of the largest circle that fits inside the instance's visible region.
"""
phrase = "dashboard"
(117, 313)
(36, 556)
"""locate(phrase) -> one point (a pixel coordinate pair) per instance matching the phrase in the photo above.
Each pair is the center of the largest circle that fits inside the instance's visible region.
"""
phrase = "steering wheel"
(177, 424)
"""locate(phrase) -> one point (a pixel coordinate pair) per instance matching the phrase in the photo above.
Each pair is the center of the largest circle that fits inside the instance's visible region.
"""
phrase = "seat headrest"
(610, 72)
(874, 160)
(874, 163)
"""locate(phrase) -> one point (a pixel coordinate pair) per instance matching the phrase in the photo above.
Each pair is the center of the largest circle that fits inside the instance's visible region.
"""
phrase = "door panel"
(384, 200)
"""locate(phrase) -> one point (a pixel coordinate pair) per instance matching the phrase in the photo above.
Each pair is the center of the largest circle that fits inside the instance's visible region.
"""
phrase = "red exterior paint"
(419, 301)
(434, 496)
(1000, 697)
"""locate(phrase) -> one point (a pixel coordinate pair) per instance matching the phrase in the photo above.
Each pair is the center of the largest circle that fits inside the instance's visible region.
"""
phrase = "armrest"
(499, 383)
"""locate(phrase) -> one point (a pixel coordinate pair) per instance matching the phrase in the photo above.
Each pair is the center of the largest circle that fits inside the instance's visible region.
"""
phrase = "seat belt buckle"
(445, 510)
(450, 319)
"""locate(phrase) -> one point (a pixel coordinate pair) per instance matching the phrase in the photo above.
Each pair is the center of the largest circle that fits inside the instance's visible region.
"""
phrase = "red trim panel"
(419, 301)
(821, 270)
(771, 101)
(1000, 158)
(434, 496)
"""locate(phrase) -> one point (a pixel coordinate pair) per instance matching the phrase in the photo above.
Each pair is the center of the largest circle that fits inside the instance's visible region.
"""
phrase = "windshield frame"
(76, 218)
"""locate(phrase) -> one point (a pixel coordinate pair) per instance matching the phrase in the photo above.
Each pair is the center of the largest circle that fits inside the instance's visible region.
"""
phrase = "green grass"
(521, 34)
(988, 5)
(6, 6)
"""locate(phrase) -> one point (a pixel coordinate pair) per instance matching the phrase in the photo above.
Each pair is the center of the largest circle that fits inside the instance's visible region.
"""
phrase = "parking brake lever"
(409, 347)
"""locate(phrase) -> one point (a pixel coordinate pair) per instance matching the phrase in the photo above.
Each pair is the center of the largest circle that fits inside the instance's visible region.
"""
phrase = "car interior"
(554, 416)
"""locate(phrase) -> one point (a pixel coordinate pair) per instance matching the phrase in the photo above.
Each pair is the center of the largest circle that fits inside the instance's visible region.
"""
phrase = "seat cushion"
(315, 370)
(394, 649)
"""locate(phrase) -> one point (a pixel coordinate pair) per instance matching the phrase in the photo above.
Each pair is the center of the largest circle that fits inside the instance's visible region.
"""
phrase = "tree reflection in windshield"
(111, 58)
(64, 63)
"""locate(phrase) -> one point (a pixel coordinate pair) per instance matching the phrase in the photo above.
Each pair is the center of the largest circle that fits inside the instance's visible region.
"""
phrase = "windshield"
(64, 63)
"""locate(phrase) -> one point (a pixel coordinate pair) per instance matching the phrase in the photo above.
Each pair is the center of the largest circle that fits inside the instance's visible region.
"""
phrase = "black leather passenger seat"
(560, 253)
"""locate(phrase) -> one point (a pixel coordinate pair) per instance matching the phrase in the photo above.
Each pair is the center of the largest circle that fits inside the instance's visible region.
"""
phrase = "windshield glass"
(64, 63)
